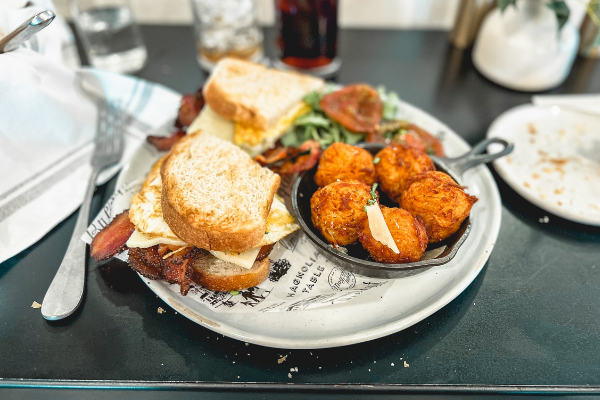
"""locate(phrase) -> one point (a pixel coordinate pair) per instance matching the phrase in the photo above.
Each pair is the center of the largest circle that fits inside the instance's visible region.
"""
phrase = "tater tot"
(342, 162)
(407, 231)
(439, 174)
(337, 210)
(441, 202)
(397, 164)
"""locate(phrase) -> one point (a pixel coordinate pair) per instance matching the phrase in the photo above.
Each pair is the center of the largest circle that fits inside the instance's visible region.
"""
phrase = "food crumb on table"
(290, 375)
(161, 310)
(406, 364)
(36, 305)
(282, 359)
(544, 219)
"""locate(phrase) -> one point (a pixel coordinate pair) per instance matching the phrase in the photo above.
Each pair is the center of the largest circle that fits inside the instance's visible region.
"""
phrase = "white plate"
(405, 302)
(556, 161)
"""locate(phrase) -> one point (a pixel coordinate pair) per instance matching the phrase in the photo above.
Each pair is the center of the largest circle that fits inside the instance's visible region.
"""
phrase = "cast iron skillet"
(357, 259)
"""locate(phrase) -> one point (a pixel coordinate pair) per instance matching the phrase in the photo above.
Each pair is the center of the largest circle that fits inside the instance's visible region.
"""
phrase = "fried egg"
(252, 140)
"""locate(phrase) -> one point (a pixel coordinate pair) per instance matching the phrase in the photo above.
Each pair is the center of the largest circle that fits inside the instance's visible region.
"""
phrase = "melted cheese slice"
(379, 229)
(245, 259)
(251, 136)
(139, 239)
(211, 122)
(279, 224)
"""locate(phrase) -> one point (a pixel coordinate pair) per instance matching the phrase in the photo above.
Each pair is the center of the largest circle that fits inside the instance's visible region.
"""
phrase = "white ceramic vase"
(522, 48)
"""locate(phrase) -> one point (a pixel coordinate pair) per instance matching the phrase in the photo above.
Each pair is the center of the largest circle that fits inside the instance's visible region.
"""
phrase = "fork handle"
(66, 290)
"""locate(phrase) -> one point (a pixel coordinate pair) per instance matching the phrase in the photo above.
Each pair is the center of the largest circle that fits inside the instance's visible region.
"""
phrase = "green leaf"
(502, 4)
(313, 99)
(327, 138)
(312, 118)
(353, 138)
(335, 133)
(291, 139)
(374, 192)
(313, 132)
(561, 10)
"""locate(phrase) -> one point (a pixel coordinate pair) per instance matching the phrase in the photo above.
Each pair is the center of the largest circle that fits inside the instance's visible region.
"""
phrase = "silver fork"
(66, 290)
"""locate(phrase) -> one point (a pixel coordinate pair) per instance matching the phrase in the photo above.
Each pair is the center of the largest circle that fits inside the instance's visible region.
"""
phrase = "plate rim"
(504, 174)
(364, 335)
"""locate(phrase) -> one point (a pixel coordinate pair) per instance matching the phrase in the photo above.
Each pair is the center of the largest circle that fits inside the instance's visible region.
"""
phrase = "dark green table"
(529, 323)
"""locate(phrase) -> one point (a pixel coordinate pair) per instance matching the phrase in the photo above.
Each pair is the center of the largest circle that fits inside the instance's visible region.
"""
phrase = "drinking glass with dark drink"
(307, 39)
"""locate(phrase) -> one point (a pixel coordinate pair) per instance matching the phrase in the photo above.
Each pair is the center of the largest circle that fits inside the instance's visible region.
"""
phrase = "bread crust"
(200, 229)
(219, 101)
(210, 237)
(225, 282)
(242, 91)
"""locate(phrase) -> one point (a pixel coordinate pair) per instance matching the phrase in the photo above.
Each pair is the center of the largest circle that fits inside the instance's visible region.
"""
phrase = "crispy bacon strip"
(189, 108)
(271, 156)
(164, 143)
(303, 162)
(177, 268)
(290, 160)
(111, 240)
(147, 262)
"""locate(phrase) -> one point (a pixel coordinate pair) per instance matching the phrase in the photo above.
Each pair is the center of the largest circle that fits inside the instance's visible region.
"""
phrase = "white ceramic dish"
(556, 161)
(376, 313)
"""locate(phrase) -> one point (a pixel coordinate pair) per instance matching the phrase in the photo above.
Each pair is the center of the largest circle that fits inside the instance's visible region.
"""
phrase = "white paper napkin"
(47, 126)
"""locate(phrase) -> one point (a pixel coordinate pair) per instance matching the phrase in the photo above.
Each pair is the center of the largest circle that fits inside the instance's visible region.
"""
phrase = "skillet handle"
(475, 157)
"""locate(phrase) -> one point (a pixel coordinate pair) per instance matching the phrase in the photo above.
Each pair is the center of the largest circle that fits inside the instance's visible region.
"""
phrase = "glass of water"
(226, 28)
(109, 34)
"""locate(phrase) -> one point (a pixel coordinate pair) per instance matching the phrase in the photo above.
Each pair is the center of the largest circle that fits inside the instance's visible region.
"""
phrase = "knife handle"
(66, 290)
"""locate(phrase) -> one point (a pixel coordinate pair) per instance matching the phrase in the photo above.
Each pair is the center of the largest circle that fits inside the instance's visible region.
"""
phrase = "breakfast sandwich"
(252, 105)
(206, 213)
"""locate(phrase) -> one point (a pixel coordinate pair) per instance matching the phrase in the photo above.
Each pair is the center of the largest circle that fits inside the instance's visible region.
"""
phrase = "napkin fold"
(47, 128)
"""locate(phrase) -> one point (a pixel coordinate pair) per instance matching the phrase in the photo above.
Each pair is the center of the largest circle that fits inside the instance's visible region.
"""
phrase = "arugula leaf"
(351, 137)
(318, 126)
(312, 118)
(335, 133)
(291, 139)
(313, 99)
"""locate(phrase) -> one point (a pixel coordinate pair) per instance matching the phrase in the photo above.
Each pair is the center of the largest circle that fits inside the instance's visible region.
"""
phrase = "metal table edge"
(300, 387)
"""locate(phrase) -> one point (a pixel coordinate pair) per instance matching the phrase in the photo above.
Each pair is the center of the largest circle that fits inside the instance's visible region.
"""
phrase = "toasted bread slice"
(253, 95)
(214, 196)
(223, 276)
